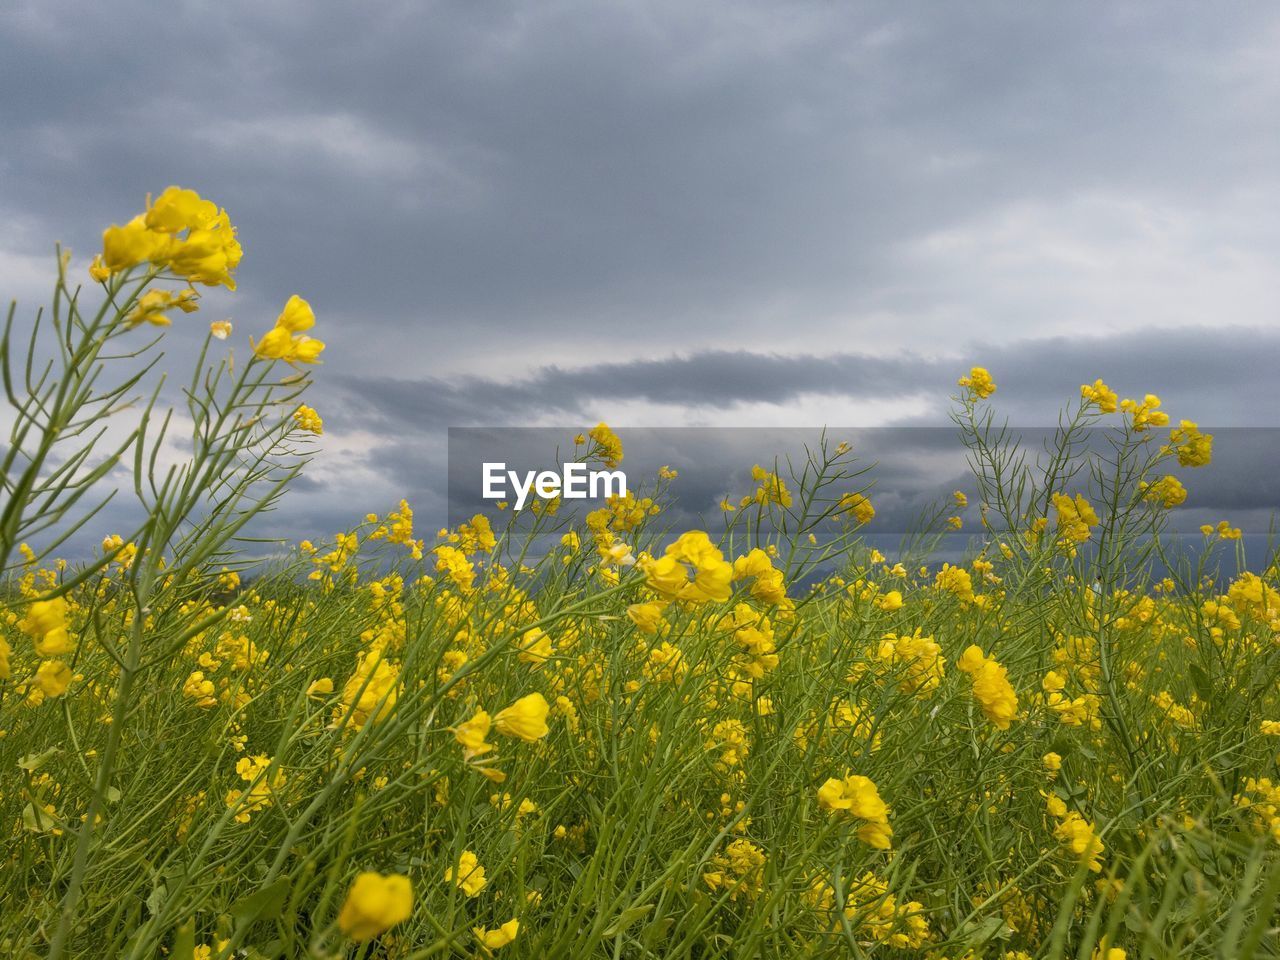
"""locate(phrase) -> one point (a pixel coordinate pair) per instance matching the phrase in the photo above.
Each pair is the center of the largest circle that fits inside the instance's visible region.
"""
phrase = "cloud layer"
(662, 213)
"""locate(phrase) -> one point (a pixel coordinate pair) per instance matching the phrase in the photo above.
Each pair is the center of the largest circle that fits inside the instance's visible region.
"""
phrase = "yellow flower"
(307, 419)
(220, 329)
(1100, 394)
(261, 790)
(608, 446)
(956, 581)
(525, 719)
(496, 939)
(46, 624)
(890, 601)
(1194, 449)
(152, 307)
(468, 875)
(375, 903)
(916, 661)
(772, 489)
(991, 687)
(132, 244)
(535, 647)
(320, 688)
(1145, 415)
(181, 231)
(297, 315)
(177, 209)
(200, 690)
(371, 692)
(646, 616)
(1167, 492)
(44, 615)
(769, 586)
(1056, 806)
(1076, 518)
(858, 797)
(285, 341)
(1078, 835)
(978, 383)
(472, 734)
(52, 678)
(454, 562)
(712, 574)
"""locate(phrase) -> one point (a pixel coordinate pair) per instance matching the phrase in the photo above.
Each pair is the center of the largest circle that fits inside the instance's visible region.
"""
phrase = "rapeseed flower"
(375, 903)
(499, 937)
(286, 340)
(1100, 395)
(978, 383)
(991, 687)
(857, 797)
(467, 875)
(526, 719)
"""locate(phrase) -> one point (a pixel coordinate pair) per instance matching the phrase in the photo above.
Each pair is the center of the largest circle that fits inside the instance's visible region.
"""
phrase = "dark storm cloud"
(916, 461)
(1220, 375)
(438, 175)
(510, 213)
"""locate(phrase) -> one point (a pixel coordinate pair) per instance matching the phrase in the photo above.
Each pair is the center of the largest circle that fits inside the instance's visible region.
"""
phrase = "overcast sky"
(668, 213)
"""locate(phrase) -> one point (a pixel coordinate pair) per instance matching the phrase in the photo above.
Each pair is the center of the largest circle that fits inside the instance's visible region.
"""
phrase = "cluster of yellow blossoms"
(180, 232)
(1077, 834)
(991, 687)
(265, 780)
(469, 877)
(1261, 799)
(691, 553)
(857, 797)
(607, 445)
(46, 625)
(978, 383)
(915, 661)
(1099, 394)
(183, 235)
(1076, 518)
(286, 340)
(307, 419)
(526, 720)
(858, 505)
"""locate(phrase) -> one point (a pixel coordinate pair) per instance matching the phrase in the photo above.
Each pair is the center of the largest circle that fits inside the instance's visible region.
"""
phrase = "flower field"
(545, 735)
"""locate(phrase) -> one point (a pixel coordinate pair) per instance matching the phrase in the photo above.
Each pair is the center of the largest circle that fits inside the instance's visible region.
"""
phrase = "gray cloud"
(634, 177)
(698, 213)
(1188, 368)
(918, 458)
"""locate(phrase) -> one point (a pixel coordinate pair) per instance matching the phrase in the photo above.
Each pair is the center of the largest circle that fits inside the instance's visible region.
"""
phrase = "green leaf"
(34, 761)
(37, 820)
(155, 901)
(1200, 680)
(184, 942)
(264, 904)
(626, 918)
